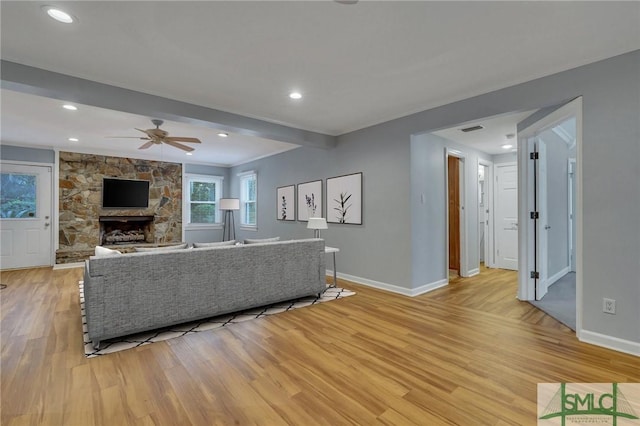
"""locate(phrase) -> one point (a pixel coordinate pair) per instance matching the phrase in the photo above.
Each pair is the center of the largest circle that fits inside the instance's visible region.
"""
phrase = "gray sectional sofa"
(143, 291)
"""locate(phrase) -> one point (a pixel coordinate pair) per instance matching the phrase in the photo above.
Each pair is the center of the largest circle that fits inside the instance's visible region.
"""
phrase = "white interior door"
(25, 216)
(506, 216)
(542, 224)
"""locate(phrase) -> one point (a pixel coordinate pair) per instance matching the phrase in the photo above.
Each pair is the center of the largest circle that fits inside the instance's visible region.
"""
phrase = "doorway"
(456, 230)
(26, 212)
(550, 213)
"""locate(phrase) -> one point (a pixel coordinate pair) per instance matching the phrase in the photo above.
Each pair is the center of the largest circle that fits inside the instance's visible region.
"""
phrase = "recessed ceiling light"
(70, 107)
(189, 153)
(507, 146)
(295, 95)
(223, 134)
(59, 15)
(73, 139)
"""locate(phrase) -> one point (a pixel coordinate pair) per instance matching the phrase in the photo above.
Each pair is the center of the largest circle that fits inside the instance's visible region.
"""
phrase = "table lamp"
(317, 223)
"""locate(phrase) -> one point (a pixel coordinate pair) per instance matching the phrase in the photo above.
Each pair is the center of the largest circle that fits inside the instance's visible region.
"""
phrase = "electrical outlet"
(609, 306)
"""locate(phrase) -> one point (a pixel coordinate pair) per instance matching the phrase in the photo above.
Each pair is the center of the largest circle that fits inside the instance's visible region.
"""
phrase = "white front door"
(506, 216)
(25, 216)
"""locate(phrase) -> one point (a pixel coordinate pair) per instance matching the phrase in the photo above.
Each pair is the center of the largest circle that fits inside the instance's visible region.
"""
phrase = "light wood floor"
(467, 354)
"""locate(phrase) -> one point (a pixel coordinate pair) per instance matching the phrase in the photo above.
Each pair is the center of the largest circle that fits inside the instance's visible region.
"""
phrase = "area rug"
(145, 338)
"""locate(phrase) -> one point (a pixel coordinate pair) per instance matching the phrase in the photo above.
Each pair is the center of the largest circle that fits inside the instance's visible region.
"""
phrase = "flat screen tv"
(125, 193)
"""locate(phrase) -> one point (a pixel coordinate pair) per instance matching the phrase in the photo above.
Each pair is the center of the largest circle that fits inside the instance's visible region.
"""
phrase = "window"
(248, 199)
(18, 196)
(203, 194)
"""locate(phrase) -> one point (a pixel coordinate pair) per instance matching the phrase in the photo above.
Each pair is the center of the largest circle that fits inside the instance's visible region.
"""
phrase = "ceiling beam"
(36, 81)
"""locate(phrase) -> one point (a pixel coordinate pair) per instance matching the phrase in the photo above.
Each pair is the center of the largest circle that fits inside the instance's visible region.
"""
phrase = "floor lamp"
(228, 205)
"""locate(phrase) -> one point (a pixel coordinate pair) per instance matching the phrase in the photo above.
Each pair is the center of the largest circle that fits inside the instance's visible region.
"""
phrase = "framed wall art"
(286, 203)
(309, 200)
(344, 199)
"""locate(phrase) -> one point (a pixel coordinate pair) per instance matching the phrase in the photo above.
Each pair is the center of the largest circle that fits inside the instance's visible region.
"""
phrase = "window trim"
(243, 176)
(186, 200)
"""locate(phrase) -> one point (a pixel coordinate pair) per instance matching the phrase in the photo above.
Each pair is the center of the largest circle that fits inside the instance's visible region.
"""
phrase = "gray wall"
(381, 250)
(33, 155)
(206, 235)
(510, 157)
(428, 207)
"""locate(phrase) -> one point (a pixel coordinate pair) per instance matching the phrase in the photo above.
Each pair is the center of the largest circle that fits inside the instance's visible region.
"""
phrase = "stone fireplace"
(85, 224)
(116, 230)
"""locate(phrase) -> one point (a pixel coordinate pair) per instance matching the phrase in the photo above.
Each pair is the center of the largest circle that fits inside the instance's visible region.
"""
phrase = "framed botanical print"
(286, 203)
(309, 200)
(344, 199)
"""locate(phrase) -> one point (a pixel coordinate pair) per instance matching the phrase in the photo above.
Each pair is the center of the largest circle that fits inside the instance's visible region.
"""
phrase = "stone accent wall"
(81, 200)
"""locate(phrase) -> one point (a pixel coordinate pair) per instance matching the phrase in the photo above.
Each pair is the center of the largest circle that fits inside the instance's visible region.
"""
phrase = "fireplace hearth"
(116, 230)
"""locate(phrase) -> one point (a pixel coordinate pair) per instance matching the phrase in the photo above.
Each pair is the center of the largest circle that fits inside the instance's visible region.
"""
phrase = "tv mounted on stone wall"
(125, 193)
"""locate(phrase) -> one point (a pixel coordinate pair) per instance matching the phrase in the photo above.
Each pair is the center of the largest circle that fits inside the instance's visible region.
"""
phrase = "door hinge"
(535, 275)
(535, 215)
(533, 156)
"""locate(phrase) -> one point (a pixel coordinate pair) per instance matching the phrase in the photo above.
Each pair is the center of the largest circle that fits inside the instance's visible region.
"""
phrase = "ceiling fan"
(158, 136)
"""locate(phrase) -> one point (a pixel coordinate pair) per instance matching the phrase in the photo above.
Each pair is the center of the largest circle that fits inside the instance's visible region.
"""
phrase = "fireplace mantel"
(125, 218)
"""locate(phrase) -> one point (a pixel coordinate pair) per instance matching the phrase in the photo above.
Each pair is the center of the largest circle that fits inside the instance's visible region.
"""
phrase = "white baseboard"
(552, 280)
(610, 342)
(391, 287)
(473, 272)
(68, 265)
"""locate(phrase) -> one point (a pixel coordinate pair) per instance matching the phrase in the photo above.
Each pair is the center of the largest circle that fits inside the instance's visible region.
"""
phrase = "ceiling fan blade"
(126, 137)
(182, 139)
(146, 145)
(177, 145)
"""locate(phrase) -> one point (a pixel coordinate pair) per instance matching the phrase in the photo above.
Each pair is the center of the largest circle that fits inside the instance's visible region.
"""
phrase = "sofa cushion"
(104, 252)
(149, 249)
(261, 240)
(216, 244)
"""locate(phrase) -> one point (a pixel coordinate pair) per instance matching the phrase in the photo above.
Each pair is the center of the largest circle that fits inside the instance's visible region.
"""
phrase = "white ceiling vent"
(472, 128)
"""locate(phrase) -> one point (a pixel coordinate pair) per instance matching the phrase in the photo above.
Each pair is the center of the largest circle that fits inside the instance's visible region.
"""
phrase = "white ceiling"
(29, 120)
(356, 65)
(493, 135)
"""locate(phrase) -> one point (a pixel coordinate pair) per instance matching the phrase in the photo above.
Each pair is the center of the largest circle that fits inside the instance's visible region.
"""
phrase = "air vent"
(472, 128)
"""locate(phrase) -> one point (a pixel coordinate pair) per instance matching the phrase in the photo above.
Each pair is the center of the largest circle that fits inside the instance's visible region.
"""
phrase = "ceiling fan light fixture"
(70, 107)
(188, 153)
(59, 15)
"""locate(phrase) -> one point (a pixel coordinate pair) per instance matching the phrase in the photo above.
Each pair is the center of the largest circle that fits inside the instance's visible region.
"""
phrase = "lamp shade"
(317, 223)
(229, 204)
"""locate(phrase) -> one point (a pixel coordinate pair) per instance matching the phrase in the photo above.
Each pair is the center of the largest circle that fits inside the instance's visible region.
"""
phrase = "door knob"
(547, 227)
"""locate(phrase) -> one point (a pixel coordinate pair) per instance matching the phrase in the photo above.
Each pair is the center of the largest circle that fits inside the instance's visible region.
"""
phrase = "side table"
(333, 250)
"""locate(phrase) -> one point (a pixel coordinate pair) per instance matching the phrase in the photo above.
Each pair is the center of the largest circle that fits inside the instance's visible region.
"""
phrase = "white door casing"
(488, 215)
(26, 241)
(506, 216)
